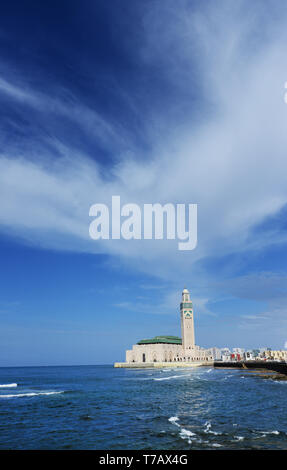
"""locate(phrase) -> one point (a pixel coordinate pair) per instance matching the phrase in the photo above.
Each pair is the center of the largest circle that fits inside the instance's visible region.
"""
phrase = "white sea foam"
(8, 385)
(209, 370)
(170, 377)
(269, 432)
(207, 429)
(239, 438)
(186, 433)
(173, 420)
(216, 445)
(29, 394)
(183, 433)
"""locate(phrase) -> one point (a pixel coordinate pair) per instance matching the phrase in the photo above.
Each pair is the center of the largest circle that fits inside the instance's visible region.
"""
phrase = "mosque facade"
(171, 349)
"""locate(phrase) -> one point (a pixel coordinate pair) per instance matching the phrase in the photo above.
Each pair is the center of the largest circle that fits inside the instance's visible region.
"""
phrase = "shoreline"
(280, 368)
(160, 365)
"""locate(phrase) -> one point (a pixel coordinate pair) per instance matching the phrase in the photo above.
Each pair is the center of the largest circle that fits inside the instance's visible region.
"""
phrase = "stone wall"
(166, 353)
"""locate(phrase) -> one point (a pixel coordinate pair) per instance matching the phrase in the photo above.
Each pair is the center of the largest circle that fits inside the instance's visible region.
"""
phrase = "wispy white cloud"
(228, 156)
(66, 105)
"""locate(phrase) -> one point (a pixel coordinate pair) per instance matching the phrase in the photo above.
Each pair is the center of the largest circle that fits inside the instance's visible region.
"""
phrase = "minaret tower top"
(185, 295)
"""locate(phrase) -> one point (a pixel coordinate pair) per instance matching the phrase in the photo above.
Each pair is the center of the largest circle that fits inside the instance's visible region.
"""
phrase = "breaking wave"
(208, 429)
(269, 432)
(29, 394)
(8, 385)
(174, 419)
(183, 433)
(186, 434)
(171, 377)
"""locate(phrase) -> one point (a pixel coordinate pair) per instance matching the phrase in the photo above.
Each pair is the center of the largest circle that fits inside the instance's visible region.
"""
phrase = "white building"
(240, 351)
(216, 354)
(249, 356)
(225, 351)
(171, 349)
(276, 355)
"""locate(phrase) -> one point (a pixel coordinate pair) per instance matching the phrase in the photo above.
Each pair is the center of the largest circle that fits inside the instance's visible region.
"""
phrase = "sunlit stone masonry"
(162, 351)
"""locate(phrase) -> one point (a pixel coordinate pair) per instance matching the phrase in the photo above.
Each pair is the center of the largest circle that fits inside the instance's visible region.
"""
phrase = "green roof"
(161, 339)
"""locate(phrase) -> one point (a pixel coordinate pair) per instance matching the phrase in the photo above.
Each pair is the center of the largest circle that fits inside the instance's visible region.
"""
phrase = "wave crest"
(29, 394)
(8, 385)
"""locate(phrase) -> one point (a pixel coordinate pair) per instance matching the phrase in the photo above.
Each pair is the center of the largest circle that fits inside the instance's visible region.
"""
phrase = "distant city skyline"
(154, 102)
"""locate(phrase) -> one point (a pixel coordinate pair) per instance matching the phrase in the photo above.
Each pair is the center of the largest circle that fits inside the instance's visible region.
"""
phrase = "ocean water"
(99, 407)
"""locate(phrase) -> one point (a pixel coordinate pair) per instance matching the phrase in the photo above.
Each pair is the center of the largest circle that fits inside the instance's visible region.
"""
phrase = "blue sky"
(154, 102)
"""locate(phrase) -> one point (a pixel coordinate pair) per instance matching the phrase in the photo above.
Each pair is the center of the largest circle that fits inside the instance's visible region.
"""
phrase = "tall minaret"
(187, 324)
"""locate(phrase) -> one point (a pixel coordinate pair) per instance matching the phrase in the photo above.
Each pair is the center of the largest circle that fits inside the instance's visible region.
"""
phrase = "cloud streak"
(228, 154)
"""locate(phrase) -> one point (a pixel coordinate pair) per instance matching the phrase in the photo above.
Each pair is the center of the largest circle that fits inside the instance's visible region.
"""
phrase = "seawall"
(280, 367)
(158, 365)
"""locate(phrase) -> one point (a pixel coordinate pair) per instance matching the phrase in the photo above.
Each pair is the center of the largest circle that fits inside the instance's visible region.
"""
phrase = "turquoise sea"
(99, 407)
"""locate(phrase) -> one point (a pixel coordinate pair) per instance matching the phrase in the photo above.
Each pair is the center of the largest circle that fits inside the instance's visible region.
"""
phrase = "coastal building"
(225, 354)
(226, 358)
(237, 354)
(239, 351)
(280, 355)
(249, 356)
(216, 354)
(170, 349)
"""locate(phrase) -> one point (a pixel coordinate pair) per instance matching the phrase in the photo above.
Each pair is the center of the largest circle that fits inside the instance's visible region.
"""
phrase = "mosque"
(170, 350)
